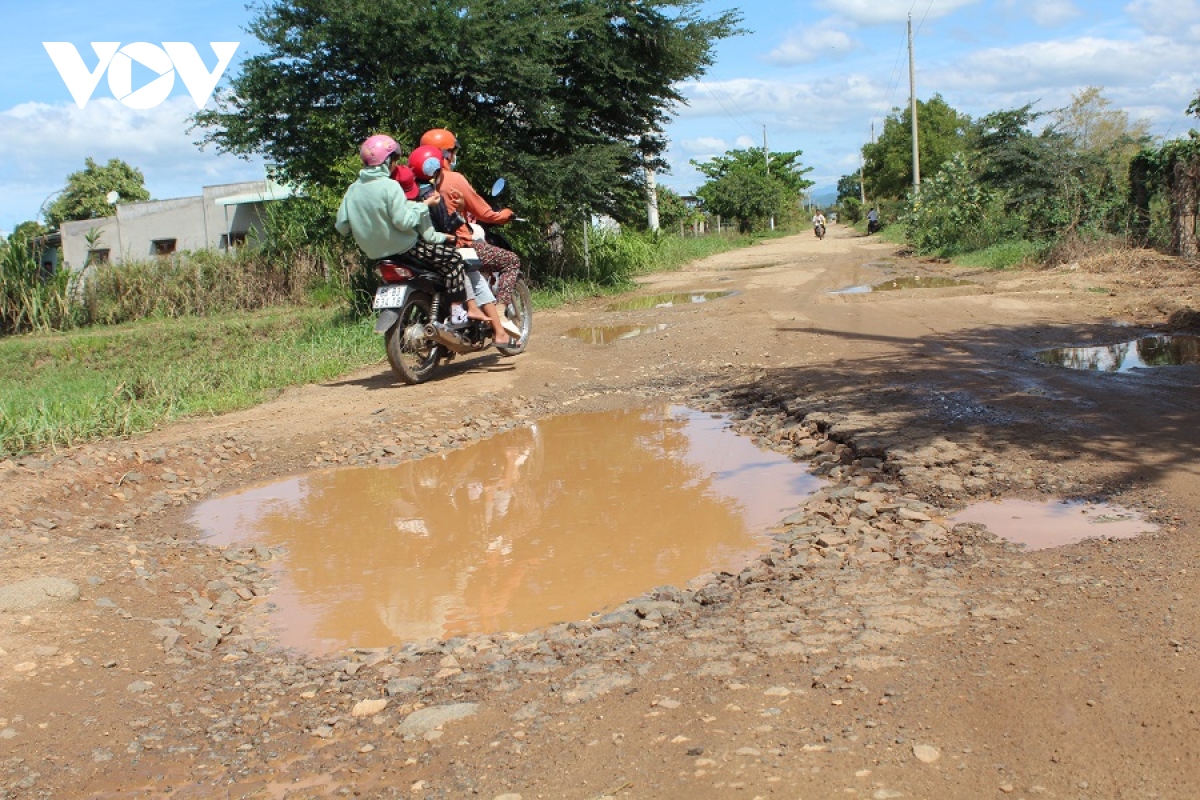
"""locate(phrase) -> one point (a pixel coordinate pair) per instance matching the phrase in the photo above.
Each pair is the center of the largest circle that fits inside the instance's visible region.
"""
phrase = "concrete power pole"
(767, 157)
(912, 101)
(651, 200)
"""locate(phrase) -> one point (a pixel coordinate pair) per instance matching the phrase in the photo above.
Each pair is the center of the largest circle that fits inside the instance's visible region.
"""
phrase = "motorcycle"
(416, 316)
(819, 230)
(873, 226)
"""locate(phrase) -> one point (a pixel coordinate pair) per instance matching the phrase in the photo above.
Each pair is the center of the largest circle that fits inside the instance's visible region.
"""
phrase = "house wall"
(195, 223)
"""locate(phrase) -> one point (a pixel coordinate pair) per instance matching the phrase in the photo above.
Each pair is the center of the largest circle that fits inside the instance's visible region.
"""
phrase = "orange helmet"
(440, 138)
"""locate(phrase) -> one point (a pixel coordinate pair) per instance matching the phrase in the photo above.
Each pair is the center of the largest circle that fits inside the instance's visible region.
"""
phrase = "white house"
(220, 218)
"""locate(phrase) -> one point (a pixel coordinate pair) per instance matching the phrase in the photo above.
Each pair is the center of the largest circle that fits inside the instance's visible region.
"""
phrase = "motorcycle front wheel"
(411, 353)
(520, 311)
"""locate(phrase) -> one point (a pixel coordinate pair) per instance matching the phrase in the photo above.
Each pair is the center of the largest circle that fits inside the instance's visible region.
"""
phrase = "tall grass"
(30, 300)
(60, 389)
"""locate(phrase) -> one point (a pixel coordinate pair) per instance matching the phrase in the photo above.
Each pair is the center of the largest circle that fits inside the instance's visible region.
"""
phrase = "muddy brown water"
(895, 284)
(607, 334)
(554, 522)
(667, 300)
(1148, 351)
(1038, 526)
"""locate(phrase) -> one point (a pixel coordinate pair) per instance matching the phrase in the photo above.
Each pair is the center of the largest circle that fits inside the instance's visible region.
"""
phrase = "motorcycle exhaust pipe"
(448, 338)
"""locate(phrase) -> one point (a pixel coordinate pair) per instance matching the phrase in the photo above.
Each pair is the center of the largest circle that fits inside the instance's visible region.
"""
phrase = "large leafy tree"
(566, 97)
(742, 185)
(86, 195)
(941, 132)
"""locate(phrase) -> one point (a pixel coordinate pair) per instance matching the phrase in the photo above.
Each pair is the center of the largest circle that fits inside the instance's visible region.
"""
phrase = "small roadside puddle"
(915, 282)
(1148, 351)
(1038, 526)
(545, 524)
(668, 300)
(607, 334)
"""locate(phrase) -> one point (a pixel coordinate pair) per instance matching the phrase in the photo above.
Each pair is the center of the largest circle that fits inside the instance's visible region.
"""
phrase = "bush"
(947, 216)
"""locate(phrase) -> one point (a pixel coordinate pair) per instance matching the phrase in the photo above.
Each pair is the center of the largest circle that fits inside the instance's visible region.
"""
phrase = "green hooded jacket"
(382, 220)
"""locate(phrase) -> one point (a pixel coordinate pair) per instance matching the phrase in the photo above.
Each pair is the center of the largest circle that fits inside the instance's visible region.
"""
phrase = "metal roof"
(274, 191)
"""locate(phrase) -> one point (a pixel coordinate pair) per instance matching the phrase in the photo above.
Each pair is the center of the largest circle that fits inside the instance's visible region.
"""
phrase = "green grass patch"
(1002, 255)
(60, 389)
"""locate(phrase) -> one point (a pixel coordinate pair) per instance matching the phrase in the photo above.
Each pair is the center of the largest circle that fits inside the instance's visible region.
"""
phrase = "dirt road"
(877, 651)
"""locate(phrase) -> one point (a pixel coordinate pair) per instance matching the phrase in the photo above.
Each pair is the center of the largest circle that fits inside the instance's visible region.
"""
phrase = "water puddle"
(607, 334)
(1038, 526)
(915, 282)
(1149, 351)
(538, 525)
(668, 300)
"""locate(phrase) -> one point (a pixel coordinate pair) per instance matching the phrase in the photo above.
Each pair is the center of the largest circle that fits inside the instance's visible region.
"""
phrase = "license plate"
(391, 296)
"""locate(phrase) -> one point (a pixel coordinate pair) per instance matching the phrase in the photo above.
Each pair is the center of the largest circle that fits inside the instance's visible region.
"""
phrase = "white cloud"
(826, 104)
(1177, 19)
(1070, 65)
(1046, 13)
(878, 12)
(810, 43)
(40, 144)
(703, 144)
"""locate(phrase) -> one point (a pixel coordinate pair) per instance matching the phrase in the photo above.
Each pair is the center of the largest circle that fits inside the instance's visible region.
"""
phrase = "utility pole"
(651, 200)
(767, 156)
(862, 180)
(912, 102)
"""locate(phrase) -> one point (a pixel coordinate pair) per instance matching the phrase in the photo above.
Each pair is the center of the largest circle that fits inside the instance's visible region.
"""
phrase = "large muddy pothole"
(1038, 526)
(1148, 351)
(896, 284)
(668, 300)
(550, 523)
(607, 334)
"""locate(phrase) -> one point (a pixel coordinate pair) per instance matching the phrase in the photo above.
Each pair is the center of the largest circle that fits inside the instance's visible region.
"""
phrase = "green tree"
(568, 98)
(742, 186)
(672, 210)
(941, 132)
(87, 191)
(849, 186)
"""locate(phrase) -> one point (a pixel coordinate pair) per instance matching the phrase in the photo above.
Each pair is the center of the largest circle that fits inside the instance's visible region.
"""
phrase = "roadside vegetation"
(140, 344)
(1023, 186)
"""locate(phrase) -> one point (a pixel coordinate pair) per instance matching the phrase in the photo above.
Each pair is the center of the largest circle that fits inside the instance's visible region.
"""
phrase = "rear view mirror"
(498, 186)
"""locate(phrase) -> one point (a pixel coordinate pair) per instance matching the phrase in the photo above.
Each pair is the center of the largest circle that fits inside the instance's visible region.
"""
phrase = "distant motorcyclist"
(818, 222)
(872, 220)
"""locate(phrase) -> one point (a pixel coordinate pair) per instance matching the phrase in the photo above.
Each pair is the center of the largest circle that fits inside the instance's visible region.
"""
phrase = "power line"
(736, 118)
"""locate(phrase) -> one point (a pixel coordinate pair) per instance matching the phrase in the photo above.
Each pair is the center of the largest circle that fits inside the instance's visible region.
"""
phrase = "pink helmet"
(425, 161)
(375, 149)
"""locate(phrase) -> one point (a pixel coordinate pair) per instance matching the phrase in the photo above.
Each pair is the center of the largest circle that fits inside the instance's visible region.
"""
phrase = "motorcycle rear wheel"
(411, 354)
(520, 311)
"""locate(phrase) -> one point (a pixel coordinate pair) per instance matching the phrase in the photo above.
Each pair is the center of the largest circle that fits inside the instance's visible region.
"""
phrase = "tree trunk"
(1185, 195)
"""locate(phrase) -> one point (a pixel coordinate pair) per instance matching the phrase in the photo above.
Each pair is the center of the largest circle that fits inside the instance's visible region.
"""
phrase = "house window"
(235, 239)
(99, 256)
(163, 247)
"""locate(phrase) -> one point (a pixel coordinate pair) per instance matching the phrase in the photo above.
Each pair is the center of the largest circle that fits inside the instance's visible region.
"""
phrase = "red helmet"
(375, 149)
(425, 161)
(440, 138)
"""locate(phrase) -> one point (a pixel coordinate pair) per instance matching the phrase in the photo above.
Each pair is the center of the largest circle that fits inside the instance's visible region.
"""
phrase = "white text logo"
(164, 61)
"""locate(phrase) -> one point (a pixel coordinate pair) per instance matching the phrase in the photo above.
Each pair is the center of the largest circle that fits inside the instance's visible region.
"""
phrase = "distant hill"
(825, 197)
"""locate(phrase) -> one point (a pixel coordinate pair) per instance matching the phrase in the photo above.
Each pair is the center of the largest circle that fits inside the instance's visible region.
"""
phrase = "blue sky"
(815, 73)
